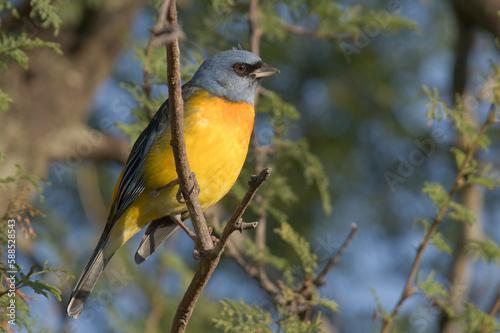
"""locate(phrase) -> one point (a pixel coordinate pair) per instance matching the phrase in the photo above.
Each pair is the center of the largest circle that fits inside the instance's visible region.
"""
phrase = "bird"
(218, 123)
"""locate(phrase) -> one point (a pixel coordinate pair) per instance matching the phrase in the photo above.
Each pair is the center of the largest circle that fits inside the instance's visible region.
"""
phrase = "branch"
(495, 307)
(471, 196)
(254, 272)
(187, 180)
(408, 289)
(320, 279)
(209, 262)
(260, 235)
(316, 34)
(255, 31)
(235, 223)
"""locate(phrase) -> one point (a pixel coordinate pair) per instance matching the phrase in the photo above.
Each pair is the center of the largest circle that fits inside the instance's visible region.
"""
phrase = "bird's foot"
(196, 189)
(177, 219)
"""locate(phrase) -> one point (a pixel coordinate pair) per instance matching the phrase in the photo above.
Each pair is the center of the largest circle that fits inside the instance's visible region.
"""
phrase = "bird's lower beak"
(264, 71)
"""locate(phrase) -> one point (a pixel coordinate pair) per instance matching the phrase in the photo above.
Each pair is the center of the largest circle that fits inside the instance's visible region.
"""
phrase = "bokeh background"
(362, 111)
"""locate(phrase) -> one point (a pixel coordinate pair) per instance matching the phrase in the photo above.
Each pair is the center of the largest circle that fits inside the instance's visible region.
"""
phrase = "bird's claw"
(196, 189)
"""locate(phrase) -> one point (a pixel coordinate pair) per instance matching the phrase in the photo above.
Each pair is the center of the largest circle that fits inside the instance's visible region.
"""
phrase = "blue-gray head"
(233, 75)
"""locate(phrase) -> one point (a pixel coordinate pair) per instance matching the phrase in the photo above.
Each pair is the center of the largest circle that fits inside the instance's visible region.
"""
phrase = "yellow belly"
(217, 135)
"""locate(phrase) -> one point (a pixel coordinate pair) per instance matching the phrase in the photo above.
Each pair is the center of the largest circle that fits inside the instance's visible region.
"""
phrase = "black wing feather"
(133, 182)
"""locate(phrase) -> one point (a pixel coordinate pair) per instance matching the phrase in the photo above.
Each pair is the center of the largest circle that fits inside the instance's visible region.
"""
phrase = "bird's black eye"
(240, 67)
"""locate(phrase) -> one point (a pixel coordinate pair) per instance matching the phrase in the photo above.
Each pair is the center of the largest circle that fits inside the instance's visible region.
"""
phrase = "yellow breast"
(217, 136)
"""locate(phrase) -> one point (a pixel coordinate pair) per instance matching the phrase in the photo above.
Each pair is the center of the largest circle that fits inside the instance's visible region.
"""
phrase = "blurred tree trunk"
(469, 16)
(47, 120)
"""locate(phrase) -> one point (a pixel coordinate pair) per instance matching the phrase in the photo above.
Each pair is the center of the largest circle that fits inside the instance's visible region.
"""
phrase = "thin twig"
(147, 85)
(255, 31)
(209, 262)
(254, 272)
(495, 307)
(320, 279)
(316, 34)
(494, 310)
(259, 154)
(408, 289)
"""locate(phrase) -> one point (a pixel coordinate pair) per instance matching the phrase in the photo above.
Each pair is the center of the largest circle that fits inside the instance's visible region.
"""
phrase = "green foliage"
(440, 243)
(436, 292)
(39, 286)
(471, 319)
(431, 288)
(438, 108)
(301, 247)
(282, 114)
(5, 5)
(474, 320)
(5, 100)
(20, 179)
(486, 177)
(21, 211)
(47, 10)
(437, 193)
(424, 222)
(13, 46)
(380, 309)
(487, 249)
(293, 324)
(238, 317)
(266, 257)
(461, 213)
(313, 170)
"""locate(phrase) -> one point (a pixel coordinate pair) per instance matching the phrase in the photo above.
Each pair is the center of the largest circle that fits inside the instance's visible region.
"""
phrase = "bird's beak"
(264, 71)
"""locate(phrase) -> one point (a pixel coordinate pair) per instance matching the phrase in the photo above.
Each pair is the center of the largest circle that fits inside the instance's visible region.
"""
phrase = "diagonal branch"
(320, 278)
(408, 289)
(209, 262)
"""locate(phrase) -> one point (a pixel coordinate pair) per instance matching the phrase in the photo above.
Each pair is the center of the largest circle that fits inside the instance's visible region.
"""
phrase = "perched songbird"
(218, 122)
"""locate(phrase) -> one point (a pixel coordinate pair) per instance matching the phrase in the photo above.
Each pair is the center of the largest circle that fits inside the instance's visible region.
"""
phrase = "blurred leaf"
(48, 12)
(461, 213)
(300, 246)
(437, 193)
(487, 249)
(238, 317)
(13, 46)
(440, 243)
(5, 100)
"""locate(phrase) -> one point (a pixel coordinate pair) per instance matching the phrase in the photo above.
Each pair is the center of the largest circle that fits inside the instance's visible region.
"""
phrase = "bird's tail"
(88, 279)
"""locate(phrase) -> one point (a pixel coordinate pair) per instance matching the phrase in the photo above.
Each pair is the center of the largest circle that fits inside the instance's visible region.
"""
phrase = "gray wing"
(133, 182)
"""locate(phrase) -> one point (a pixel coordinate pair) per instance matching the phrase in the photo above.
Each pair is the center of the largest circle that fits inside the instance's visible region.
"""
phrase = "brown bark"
(482, 14)
(47, 120)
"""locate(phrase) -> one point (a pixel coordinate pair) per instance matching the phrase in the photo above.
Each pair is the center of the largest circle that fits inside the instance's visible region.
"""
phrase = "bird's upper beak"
(264, 71)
